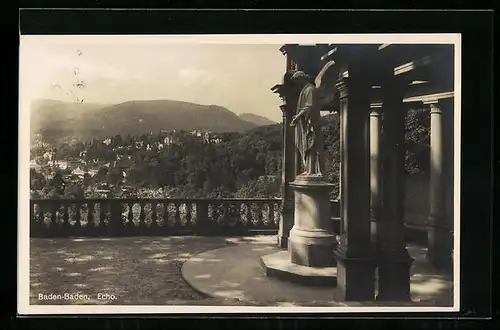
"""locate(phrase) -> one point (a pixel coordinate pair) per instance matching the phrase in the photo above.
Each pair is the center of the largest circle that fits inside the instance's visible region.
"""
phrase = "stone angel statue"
(308, 135)
(307, 119)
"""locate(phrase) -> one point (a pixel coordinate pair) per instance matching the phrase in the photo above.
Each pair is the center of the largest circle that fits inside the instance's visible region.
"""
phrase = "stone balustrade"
(161, 217)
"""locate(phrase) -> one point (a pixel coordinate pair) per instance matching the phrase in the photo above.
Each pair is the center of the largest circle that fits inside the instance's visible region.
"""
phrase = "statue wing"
(319, 78)
(325, 86)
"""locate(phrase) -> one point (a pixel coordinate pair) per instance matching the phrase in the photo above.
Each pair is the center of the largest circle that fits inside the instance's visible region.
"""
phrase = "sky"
(233, 75)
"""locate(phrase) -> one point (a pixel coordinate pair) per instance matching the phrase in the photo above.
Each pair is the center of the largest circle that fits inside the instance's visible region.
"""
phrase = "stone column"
(439, 237)
(339, 196)
(288, 175)
(355, 264)
(375, 186)
(449, 163)
(394, 261)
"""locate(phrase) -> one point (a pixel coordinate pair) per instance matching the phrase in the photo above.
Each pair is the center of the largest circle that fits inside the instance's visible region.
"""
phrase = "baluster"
(177, 217)
(102, 213)
(260, 216)
(142, 216)
(154, 223)
(238, 221)
(240, 215)
(32, 212)
(41, 219)
(166, 216)
(237, 214)
(276, 217)
(270, 216)
(41, 215)
(194, 212)
(78, 223)
(254, 215)
(231, 208)
(216, 213)
(130, 216)
(53, 215)
(33, 224)
(90, 216)
(249, 215)
(66, 225)
(188, 214)
(225, 217)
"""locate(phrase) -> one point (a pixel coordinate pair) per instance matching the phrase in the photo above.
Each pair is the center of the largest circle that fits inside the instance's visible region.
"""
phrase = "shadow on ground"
(235, 272)
(121, 271)
(148, 271)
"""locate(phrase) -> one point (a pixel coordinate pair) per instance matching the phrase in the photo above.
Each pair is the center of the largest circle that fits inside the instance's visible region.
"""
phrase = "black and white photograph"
(242, 173)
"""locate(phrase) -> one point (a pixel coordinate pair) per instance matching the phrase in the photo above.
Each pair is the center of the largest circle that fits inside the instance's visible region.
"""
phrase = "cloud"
(43, 64)
(191, 76)
(207, 74)
(54, 72)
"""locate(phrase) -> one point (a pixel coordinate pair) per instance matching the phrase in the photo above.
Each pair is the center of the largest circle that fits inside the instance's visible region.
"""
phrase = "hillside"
(256, 119)
(52, 113)
(230, 168)
(83, 120)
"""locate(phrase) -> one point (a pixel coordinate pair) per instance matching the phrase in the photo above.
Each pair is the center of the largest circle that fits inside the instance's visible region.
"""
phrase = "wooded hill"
(84, 121)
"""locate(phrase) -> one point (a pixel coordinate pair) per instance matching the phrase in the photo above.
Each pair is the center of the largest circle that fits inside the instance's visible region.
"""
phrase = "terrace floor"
(149, 271)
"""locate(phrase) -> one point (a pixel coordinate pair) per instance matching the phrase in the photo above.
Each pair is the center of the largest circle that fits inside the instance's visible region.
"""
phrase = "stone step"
(278, 265)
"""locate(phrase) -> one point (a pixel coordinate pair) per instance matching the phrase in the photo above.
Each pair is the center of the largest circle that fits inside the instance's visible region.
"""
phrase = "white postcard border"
(24, 307)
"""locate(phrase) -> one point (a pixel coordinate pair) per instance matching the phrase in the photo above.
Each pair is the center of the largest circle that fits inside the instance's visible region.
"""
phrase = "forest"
(236, 166)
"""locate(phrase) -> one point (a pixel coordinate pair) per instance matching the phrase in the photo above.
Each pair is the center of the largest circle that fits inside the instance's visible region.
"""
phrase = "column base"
(440, 247)
(282, 242)
(285, 225)
(355, 278)
(439, 260)
(312, 248)
(394, 277)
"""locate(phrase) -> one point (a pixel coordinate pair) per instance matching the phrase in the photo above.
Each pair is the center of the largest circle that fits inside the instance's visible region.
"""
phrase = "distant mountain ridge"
(89, 120)
(256, 119)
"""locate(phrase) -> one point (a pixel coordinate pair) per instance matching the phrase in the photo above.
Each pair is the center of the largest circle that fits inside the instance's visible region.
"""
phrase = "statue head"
(300, 78)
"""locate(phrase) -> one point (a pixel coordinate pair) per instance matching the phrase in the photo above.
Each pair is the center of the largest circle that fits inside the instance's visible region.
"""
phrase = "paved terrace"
(149, 271)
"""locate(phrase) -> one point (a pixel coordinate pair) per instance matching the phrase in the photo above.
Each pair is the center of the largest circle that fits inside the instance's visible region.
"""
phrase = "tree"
(117, 140)
(101, 174)
(57, 183)
(114, 176)
(37, 180)
(417, 141)
(271, 166)
(135, 174)
(87, 180)
(254, 189)
(190, 167)
(36, 194)
(74, 192)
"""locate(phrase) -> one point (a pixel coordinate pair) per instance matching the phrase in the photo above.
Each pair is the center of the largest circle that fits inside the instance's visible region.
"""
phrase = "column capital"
(375, 111)
(283, 108)
(435, 107)
(342, 84)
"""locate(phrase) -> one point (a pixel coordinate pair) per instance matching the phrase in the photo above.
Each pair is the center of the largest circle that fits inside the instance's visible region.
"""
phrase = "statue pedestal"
(312, 241)
(310, 259)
